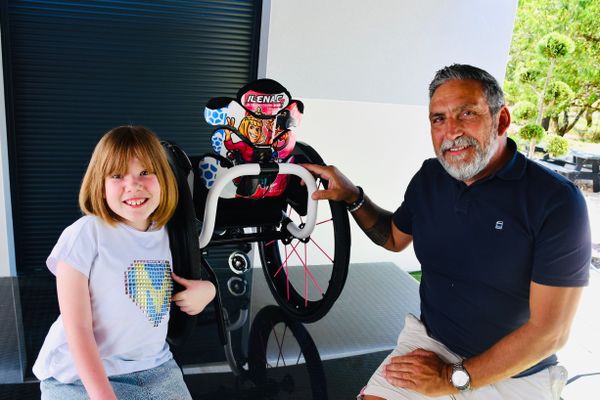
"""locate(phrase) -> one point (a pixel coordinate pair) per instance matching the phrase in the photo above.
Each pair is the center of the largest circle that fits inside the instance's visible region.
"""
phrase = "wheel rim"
(307, 276)
(278, 346)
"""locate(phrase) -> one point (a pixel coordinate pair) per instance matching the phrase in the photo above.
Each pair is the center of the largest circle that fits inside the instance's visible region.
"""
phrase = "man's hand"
(339, 187)
(195, 295)
(421, 371)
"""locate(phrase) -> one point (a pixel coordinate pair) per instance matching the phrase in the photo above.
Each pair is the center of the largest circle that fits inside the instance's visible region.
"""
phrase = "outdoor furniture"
(588, 164)
(583, 166)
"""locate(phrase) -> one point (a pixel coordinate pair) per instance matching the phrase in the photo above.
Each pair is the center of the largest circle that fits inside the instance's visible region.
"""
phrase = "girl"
(114, 280)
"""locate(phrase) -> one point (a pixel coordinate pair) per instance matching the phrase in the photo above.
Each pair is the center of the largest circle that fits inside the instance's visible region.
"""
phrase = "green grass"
(416, 275)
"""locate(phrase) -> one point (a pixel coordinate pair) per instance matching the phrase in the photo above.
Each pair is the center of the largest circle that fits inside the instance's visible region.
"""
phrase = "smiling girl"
(114, 280)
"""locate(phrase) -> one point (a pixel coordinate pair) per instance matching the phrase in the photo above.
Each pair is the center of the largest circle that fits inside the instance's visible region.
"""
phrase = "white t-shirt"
(130, 289)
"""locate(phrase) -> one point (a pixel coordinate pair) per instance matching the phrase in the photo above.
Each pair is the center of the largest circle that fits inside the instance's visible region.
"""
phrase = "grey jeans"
(164, 382)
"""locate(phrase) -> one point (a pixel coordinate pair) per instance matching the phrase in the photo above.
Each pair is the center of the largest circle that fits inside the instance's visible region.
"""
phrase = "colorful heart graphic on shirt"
(149, 285)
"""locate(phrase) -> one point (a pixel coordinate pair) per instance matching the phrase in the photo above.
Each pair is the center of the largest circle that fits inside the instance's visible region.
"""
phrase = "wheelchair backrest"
(254, 127)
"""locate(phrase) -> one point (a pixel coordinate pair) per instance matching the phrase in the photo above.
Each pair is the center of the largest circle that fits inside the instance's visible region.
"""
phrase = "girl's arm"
(76, 312)
(196, 294)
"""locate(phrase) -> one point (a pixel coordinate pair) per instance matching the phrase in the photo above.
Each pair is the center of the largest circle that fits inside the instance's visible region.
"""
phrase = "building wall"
(7, 246)
(362, 70)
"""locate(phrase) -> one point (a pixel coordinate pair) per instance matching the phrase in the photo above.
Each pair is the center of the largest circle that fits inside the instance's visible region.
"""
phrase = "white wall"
(362, 69)
(7, 247)
(378, 146)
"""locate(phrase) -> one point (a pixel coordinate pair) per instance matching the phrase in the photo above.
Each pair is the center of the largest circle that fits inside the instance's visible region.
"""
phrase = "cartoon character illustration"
(266, 114)
(252, 129)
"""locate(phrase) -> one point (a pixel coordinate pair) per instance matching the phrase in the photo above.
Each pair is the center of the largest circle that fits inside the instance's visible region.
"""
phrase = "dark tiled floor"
(346, 348)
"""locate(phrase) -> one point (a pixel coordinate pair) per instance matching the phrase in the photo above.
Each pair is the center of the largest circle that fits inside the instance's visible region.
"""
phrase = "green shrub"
(558, 91)
(557, 145)
(522, 144)
(528, 75)
(524, 110)
(555, 45)
(532, 132)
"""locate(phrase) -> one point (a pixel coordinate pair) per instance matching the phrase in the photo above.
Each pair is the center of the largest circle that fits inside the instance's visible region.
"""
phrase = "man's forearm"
(375, 222)
(513, 354)
(552, 313)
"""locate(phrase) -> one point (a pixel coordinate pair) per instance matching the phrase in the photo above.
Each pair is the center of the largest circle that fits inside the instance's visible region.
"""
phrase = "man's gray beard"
(482, 157)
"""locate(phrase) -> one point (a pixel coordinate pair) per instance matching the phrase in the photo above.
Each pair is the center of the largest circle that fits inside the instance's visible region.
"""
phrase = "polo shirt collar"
(515, 168)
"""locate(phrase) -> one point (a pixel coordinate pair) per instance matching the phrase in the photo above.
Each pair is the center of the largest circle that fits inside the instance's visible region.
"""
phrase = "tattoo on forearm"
(381, 231)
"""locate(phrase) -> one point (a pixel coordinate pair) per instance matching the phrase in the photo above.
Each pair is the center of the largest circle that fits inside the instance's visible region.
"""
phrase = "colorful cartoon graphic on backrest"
(255, 127)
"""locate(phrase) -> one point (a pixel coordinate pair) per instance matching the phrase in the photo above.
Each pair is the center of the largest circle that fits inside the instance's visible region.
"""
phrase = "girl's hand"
(195, 295)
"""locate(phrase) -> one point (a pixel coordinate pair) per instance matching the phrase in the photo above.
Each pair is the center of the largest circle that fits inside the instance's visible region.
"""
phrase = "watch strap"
(460, 367)
(359, 201)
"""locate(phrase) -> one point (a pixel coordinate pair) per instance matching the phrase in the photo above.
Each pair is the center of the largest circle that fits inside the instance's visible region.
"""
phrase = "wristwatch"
(459, 377)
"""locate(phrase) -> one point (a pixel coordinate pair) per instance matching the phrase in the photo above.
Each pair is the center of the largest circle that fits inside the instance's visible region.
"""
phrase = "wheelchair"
(251, 189)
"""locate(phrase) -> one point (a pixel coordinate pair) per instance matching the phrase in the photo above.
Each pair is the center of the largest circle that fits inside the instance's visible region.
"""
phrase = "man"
(504, 247)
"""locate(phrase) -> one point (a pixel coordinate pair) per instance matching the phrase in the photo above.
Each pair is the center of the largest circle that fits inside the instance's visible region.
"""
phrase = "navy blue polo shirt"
(480, 246)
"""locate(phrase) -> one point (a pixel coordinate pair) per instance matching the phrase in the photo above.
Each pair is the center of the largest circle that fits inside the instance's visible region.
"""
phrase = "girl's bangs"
(117, 162)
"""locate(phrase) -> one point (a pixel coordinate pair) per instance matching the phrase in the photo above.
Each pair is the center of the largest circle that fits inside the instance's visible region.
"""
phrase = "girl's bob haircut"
(111, 157)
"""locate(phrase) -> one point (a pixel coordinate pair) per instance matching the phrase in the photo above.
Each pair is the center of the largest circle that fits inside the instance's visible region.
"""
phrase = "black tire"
(291, 292)
(275, 377)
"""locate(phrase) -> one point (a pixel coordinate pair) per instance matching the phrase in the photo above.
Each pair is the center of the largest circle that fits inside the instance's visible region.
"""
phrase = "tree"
(528, 67)
(524, 111)
(557, 145)
(533, 133)
(553, 46)
(557, 97)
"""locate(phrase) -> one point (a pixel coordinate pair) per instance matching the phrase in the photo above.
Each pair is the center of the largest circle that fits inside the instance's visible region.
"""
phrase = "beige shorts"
(543, 385)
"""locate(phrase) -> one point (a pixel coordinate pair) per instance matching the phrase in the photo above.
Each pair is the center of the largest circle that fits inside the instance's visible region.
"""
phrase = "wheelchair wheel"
(283, 360)
(307, 276)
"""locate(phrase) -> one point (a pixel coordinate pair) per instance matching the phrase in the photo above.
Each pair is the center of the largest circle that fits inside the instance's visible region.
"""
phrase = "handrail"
(253, 169)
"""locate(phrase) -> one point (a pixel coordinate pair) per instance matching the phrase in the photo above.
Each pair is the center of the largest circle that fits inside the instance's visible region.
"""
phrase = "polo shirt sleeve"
(403, 216)
(76, 246)
(562, 252)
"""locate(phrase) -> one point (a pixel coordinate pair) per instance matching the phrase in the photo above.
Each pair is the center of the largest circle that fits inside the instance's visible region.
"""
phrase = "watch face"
(460, 378)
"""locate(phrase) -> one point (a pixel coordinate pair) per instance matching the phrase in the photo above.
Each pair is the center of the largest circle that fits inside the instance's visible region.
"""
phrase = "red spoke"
(305, 278)
(322, 222)
(322, 251)
(309, 273)
(284, 261)
(287, 276)
(270, 243)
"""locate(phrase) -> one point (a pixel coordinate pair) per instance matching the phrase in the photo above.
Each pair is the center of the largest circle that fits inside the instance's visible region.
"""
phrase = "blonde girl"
(113, 269)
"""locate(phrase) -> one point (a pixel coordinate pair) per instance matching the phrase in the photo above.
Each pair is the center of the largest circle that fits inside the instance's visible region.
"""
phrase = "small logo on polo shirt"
(499, 225)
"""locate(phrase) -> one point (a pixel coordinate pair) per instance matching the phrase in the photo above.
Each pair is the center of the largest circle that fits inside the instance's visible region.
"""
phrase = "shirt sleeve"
(403, 216)
(77, 246)
(562, 252)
